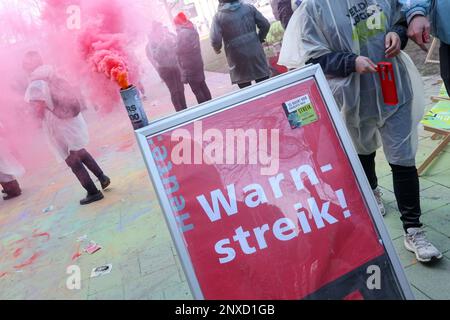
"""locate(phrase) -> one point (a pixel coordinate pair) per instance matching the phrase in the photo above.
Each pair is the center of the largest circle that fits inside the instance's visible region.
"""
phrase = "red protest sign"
(268, 204)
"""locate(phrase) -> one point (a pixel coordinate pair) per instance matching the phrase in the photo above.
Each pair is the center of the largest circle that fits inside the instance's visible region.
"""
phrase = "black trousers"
(172, 79)
(248, 84)
(406, 189)
(78, 161)
(444, 53)
(201, 91)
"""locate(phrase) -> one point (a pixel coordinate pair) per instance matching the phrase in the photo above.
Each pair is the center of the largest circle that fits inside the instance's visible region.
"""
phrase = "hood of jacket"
(42, 72)
(230, 6)
(186, 25)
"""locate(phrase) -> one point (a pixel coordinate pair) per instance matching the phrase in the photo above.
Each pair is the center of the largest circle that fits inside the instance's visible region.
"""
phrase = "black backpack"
(66, 103)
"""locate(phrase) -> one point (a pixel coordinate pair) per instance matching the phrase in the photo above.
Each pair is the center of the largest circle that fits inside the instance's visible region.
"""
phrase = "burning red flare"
(112, 65)
(107, 56)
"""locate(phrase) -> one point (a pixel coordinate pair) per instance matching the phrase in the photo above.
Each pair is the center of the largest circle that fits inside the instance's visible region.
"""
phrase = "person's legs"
(92, 165)
(10, 186)
(407, 193)
(366, 139)
(400, 140)
(206, 92)
(445, 64)
(179, 88)
(368, 164)
(201, 91)
(172, 79)
(75, 163)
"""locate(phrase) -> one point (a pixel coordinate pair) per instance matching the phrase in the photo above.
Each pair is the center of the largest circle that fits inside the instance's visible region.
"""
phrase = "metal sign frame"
(235, 99)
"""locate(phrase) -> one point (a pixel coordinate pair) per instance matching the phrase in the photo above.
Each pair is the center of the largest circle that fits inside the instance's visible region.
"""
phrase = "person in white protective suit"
(58, 105)
(348, 38)
(10, 169)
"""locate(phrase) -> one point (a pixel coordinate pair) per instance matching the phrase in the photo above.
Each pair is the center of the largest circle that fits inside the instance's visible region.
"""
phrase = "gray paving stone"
(388, 196)
(442, 178)
(386, 183)
(439, 219)
(155, 259)
(433, 280)
(434, 198)
(105, 282)
(440, 164)
(406, 258)
(114, 293)
(393, 222)
(419, 294)
(145, 286)
(179, 292)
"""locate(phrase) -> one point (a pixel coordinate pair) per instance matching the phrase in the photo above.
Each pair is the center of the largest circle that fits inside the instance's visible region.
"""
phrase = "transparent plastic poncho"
(64, 135)
(321, 27)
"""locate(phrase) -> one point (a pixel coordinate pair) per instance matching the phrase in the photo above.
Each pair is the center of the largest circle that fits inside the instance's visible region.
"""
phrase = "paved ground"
(36, 247)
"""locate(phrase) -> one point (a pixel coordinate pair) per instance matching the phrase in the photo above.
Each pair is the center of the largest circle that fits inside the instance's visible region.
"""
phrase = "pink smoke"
(104, 42)
(111, 34)
(105, 54)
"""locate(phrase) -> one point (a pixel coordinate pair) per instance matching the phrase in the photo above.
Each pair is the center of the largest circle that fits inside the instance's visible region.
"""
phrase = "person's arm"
(411, 8)
(263, 25)
(419, 25)
(396, 37)
(216, 35)
(338, 64)
(401, 28)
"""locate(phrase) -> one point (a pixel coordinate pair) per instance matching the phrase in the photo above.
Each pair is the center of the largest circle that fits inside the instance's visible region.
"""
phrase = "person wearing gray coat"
(235, 25)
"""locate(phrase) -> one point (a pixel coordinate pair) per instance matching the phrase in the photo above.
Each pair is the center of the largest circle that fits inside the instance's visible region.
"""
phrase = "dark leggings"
(172, 79)
(248, 84)
(201, 91)
(445, 64)
(77, 161)
(406, 189)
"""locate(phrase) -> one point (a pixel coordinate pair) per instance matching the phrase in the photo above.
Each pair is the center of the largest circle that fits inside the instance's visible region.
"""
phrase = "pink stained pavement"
(128, 223)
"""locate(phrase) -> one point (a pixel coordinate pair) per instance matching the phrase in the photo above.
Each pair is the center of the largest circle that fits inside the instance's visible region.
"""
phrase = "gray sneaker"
(416, 241)
(378, 195)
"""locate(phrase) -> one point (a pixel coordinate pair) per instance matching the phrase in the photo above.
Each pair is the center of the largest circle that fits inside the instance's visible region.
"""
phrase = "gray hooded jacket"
(235, 24)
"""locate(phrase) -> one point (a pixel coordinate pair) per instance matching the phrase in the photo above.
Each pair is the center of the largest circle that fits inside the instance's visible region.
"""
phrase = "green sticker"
(300, 112)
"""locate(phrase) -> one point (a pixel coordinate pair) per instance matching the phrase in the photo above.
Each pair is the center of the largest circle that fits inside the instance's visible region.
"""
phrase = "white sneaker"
(378, 195)
(417, 242)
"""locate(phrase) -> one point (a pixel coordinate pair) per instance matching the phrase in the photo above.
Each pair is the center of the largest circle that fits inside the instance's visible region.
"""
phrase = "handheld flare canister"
(388, 84)
(133, 103)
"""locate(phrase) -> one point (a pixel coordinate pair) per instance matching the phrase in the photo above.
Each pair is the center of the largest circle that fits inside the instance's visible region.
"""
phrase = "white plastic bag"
(290, 50)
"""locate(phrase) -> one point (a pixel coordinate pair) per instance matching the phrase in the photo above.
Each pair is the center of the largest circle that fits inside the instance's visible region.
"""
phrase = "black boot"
(105, 182)
(11, 189)
(92, 198)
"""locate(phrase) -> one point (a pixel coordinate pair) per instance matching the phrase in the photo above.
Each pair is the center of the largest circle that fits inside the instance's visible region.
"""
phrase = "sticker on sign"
(300, 111)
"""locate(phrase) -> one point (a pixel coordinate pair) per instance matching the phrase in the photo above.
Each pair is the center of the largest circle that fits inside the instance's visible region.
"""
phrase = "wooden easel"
(431, 51)
(437, 99)
(437, 133)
